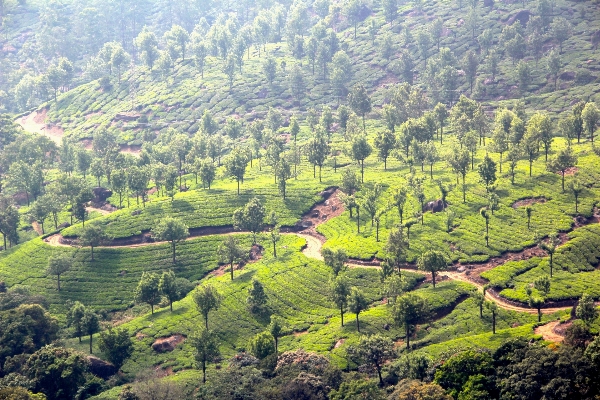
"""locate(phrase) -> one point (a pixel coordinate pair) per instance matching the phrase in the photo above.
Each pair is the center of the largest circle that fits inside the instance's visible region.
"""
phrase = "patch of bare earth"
(528, 201)
(301, 333)
(168, 343)
(339, 343)
(36, 123)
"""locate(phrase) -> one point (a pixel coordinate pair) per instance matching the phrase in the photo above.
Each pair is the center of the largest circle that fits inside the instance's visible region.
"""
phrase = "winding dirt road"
(331, 208)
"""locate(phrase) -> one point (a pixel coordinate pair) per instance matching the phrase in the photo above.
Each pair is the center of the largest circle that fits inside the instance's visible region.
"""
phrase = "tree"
(352, 10)
(56, 371)
(408, 311)
(230, 251)
(177, 39)
(486, 215)
(493, 307)
(339, 292)
(523, 75)
(564, 160)
(207, 172)
(269, 67)
(147, 290)
(487, 172)
(75, 318)
(296, 81)
(235, 165)
(91, 324)
(317, 150)
(360, 102)
(432, 261)
(119, 184)
(92, 236)
(590, 115)
(170, 230)
(357, 303)
(229, 69)
(275, 329)
(553, 65)
(459, 161)
(586, 309)
(262, 345)
(369, 201)
(441, 115)
(257, 298)
(374, 351)
(361, 149)
(560, 29)
(390, 10)
(513, 156)
(576, 188)
(40, 210)
(396, 248)
(470, 65)
(58, 264)
(206, 349)
(335, 259)
(500, 144)
(207, 298)
(168, 287)
(531, 147)
(147, 44)
(116, 345)
(550, 247)
(250, 217)
(385, 142)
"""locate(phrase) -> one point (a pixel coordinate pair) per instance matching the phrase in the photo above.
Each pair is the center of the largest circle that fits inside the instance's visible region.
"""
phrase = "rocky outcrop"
(101, 368)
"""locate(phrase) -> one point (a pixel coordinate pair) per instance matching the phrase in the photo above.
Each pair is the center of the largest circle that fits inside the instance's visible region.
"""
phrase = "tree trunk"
(433, 277)
(362, 171)
(231, 265)
(342, 314)
(357, 323)
(407, 336)
(203, 371)
(91, 343)
(494, 323)
(173, 247)
(92, 252)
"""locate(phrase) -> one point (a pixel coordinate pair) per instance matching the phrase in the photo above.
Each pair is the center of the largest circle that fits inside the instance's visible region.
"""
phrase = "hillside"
(299, 199)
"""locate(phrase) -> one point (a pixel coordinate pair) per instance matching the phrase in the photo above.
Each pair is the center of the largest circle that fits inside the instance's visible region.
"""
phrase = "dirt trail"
(548, 332)
(332, 207)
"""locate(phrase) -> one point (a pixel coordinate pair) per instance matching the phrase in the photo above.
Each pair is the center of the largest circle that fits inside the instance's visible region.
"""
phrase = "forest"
(299, 199)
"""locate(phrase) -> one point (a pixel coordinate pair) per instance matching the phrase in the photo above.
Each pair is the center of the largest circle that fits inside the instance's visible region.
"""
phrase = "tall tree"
(408, 311)
(396, 248)
(550, 247)
(250, 217)
(357, 303)
(207, 299)
(432, 261)
(317, 150)
(171, 230)
(487, 172)
(335, 259)
(339, 292)
(360, 150)
(230, 251)
(235, 165)
(91, 324)
(360, 102)
(58, 264)
(168, 287)
(374, 351)
(147, 290)
(93, 236)
(206, 349)
(564, 160)
(590, 115)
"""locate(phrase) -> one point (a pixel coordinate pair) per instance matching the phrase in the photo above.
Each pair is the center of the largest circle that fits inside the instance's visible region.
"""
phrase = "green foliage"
(116, 345)
(262, 345)
(57, 372)
(147, 290)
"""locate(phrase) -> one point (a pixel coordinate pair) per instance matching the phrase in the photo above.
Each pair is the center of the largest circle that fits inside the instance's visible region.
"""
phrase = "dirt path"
(548, 332)
(331, 207)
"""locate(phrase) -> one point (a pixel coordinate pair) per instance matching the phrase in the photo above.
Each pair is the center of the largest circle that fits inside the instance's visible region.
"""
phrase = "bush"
(262, 345)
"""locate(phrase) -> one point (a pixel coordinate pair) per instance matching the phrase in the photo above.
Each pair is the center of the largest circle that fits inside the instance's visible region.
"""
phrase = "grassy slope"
(177, 102)
(297, 293)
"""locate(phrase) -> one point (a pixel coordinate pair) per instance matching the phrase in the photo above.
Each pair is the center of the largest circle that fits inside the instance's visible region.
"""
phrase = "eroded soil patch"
(529, 201)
